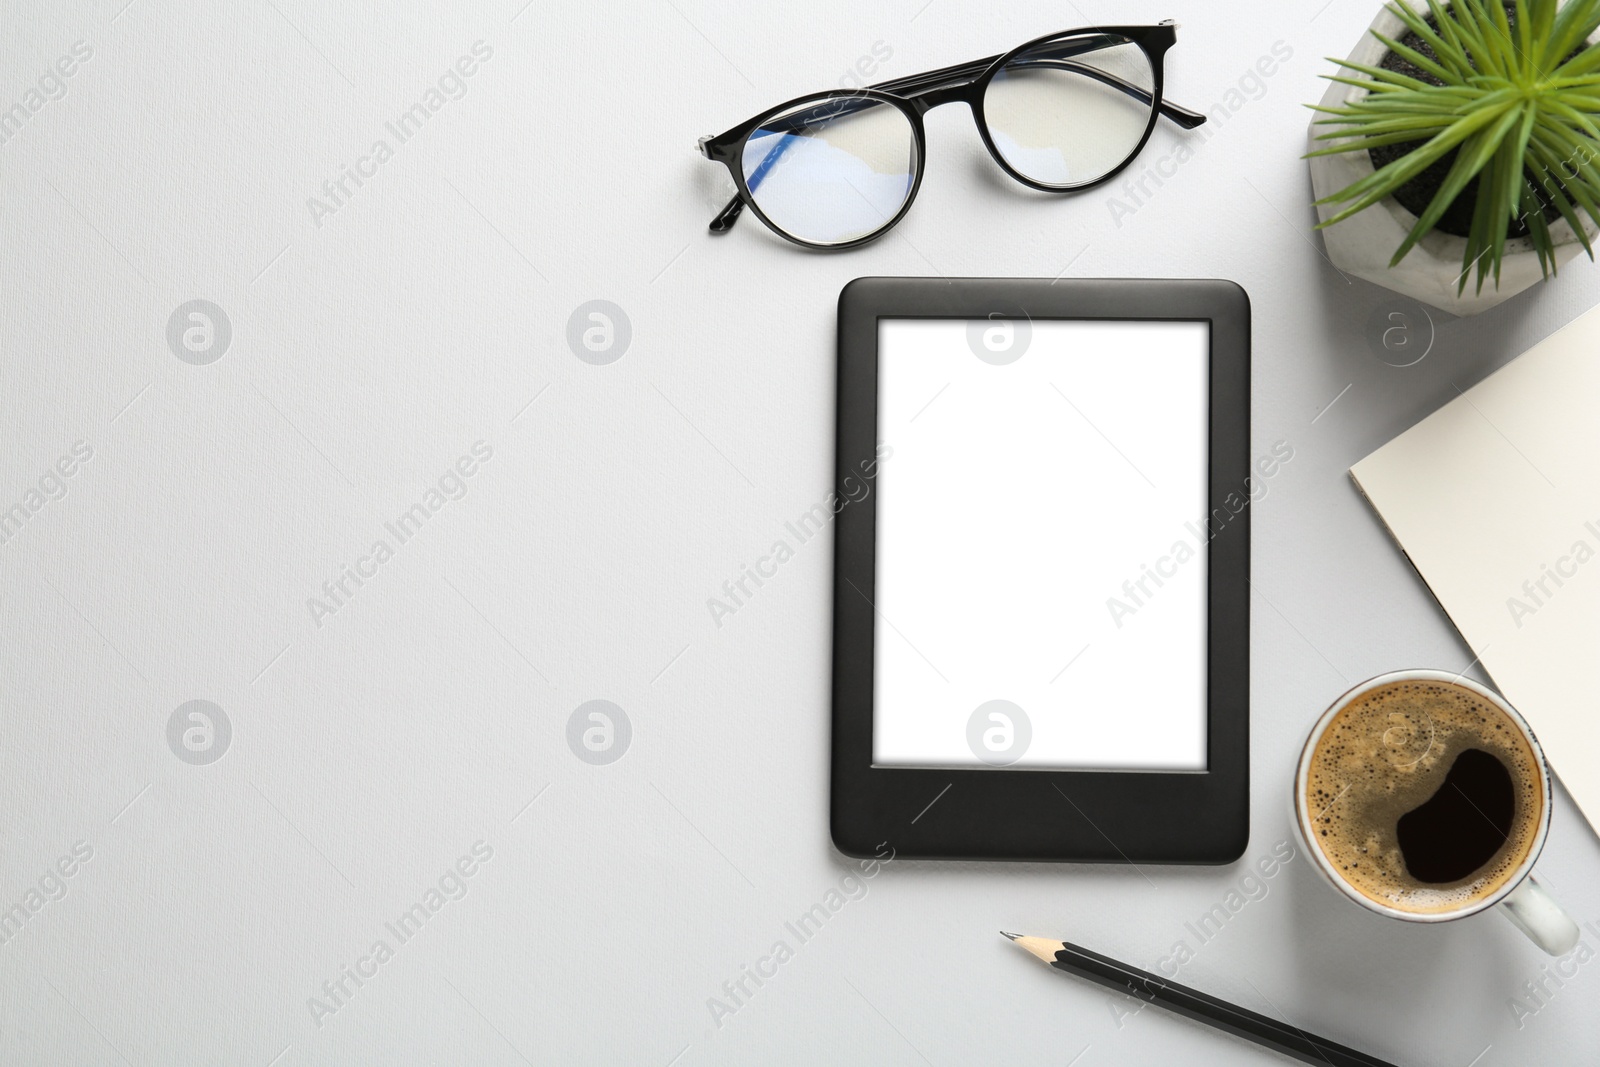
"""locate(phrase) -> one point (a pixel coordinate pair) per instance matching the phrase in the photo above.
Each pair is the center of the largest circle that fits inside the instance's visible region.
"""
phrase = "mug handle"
(1532, 910)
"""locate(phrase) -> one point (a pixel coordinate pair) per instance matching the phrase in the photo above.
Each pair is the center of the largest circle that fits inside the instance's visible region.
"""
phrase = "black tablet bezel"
(990, 814)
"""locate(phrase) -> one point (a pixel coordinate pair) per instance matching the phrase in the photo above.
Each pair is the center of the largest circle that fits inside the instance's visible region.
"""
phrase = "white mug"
(1522, 899)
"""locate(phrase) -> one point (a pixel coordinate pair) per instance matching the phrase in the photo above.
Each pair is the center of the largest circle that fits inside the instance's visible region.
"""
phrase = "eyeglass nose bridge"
(963, 93)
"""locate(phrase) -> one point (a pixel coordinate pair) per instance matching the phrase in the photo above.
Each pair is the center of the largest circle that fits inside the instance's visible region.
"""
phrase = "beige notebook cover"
(1495, 498)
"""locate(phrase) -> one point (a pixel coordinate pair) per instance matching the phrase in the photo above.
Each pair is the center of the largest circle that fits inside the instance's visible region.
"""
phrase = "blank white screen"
(1017, 500)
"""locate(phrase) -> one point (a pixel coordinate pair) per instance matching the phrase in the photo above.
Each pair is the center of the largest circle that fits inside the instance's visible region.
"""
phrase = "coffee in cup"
(1425, 797)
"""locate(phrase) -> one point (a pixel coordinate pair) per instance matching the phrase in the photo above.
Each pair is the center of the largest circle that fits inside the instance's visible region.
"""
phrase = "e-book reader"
(1041, 599)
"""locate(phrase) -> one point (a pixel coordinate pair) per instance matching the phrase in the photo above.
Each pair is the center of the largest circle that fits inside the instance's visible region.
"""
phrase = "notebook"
(1495, 498)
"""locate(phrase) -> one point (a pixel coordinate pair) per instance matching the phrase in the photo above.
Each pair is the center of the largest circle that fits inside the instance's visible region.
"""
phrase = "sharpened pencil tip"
(1011, 936)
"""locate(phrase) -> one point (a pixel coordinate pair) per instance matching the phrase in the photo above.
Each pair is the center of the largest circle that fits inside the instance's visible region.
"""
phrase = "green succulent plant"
(1516, 98)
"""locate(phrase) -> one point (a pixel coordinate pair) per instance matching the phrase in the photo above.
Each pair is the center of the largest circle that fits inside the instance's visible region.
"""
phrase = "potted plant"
(1456, 157)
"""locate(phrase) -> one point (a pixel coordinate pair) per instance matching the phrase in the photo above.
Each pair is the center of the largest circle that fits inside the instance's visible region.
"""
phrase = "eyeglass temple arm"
(934, 79)
(735, 207)
(920, 83)
(728, 215)
(1182, 116)
(1185, 118)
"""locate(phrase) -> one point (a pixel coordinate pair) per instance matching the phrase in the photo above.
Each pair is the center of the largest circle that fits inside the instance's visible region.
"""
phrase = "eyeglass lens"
(1069, 111)
(832, 171)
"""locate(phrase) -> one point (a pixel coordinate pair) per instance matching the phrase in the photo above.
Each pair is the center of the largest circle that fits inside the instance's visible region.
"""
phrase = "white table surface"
(428, 312)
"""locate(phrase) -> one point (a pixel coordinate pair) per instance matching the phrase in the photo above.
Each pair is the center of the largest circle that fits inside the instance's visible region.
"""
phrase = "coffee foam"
(1388, 752)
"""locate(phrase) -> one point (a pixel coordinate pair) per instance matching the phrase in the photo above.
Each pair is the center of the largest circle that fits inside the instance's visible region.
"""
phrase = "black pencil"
(1280, 1036)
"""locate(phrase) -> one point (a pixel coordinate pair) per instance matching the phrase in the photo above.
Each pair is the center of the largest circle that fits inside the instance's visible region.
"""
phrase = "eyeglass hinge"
(1170, 22)
(700, 145)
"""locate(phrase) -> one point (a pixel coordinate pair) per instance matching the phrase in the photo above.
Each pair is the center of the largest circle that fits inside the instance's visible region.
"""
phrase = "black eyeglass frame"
(917, 94)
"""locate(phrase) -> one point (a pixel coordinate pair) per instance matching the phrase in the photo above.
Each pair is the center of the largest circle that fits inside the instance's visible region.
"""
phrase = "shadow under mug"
(1526, 903)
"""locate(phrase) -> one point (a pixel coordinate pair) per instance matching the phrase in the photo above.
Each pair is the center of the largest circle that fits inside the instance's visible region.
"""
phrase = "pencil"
(1269, 1033)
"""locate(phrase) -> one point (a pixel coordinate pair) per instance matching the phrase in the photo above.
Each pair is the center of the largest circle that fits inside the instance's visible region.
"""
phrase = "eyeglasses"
(837, 169)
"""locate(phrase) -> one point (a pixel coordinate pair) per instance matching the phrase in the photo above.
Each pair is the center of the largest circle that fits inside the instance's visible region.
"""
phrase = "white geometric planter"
(1363, 244)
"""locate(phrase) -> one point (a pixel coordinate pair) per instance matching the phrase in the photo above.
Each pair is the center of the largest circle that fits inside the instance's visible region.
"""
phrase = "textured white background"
(425, 314)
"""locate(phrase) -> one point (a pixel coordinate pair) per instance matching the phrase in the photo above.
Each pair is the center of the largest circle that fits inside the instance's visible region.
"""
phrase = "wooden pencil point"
(1041, 947)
